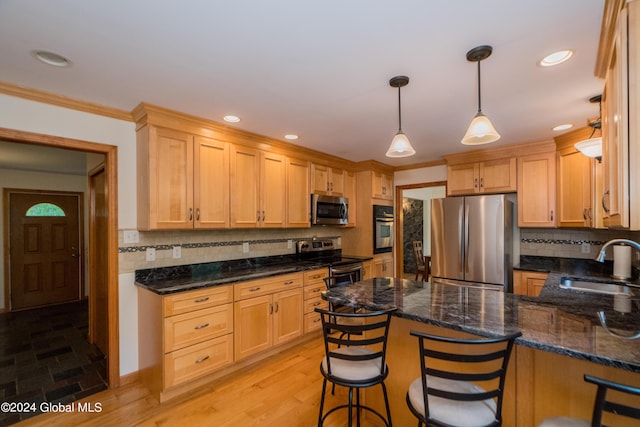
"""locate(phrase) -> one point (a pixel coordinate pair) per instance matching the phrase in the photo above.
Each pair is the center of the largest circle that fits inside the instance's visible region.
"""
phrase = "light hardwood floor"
(283, 391)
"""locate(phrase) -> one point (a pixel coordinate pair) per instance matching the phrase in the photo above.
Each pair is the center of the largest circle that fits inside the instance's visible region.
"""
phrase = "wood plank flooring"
(283, 390)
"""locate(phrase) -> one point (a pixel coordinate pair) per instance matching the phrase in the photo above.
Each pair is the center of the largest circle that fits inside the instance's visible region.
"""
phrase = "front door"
(44, 239)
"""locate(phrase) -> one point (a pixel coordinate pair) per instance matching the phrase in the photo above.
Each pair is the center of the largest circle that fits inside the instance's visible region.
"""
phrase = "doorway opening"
(100, 266)
(413, 207)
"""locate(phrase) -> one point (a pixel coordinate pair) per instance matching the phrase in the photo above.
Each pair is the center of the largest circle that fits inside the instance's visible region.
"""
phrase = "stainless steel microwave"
(329, 210)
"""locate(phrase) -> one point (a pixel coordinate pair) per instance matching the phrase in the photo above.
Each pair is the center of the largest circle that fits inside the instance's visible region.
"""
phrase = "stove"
(323, 253)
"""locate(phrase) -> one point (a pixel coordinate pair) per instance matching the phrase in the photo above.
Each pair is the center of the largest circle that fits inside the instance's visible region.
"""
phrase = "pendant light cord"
(479, 94)
(399, 112)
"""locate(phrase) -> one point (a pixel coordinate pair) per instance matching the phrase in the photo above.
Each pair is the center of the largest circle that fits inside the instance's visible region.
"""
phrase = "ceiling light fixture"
(291, 136)
(51, 58)
(562, 127)
(592, 147)
(231, 118)
(556, 58)
(480, 131)
(400, 146)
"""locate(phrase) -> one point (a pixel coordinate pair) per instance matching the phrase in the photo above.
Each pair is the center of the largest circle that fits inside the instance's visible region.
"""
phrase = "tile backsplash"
(200, 246)
(570, 243)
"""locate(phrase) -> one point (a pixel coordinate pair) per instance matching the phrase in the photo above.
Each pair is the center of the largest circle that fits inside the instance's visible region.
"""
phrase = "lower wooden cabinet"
(267, 312)
(528, 282)
(313, 287)
(383, 265)
(184, 336)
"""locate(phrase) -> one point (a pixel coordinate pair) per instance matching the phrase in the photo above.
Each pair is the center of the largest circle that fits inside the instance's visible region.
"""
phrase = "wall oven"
(383, 221)
(329, 210)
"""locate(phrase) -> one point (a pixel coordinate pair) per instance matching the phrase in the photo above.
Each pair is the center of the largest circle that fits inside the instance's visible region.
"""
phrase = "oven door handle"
(384, 219)
(345, 270)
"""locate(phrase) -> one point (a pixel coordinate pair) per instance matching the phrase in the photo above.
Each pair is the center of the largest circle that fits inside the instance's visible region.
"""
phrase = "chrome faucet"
(600, 257)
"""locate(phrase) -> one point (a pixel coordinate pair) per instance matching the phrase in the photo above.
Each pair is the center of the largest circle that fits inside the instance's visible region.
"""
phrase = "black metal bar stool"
(355, 354)
(603, 404)
(469, 395)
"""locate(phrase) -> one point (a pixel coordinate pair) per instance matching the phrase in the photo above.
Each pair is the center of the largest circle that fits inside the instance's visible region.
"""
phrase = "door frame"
(7, 192)
(399, 245)
(111, 167)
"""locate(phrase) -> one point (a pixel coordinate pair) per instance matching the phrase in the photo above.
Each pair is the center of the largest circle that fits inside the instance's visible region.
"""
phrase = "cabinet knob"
(604, 202)
(481, 182)
(198, 214)
(475, 182)
(276, 306)
(190, 214)
(551, 218)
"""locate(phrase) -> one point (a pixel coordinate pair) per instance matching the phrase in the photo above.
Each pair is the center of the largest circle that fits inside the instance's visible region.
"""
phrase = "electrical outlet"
(289, 244)
(245, 247)
(151, 254)
(586, 248)
(131, 236)
(177, 251)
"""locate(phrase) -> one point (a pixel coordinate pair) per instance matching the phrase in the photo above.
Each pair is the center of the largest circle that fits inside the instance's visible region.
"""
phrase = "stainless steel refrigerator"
(472, 240)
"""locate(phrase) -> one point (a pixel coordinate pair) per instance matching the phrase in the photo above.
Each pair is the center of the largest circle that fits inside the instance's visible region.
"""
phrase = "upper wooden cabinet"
(258, 183)
(537, 189)
(350, 192)
(619, 63)
(327, 180)
(183, 180)
(491, 176)
(297, 187)
(574, 186)
(381, 185)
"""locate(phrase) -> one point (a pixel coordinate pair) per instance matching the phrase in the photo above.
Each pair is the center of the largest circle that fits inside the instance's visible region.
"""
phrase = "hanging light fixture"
(592, 147)
(400, 146)
(480, 131)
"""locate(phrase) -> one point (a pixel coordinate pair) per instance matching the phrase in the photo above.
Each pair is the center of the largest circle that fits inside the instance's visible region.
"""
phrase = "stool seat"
(454, 412)
(564, 422)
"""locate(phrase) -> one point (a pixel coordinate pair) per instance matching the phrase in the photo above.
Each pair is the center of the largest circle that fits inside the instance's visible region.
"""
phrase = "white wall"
(31, 116)
(420, 176)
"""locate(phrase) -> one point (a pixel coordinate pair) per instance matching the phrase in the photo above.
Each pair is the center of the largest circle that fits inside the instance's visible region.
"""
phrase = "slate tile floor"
(45, 357)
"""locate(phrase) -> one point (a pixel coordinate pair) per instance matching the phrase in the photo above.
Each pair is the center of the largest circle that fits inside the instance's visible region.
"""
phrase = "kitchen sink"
(584, 285)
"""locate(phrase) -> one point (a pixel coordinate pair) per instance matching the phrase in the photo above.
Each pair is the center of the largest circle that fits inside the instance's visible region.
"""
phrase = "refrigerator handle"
(461, 236)
(466, 238)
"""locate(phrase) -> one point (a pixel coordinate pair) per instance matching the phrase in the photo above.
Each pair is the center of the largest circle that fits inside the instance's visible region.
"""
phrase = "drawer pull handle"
(202, 359)
(202, 300)
(317, 320)
(288, 282)
(257, 288)
(315, 304)
(317, 290)
(201, 326)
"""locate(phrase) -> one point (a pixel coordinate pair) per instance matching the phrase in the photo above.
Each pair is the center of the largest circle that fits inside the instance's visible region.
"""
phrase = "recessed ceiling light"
(231, 119)
(563, 127)
(291, 137)
(51, 58)
(556, 58)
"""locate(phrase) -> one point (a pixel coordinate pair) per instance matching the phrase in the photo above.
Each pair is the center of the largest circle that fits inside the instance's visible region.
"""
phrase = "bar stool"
(444, 397)
(355, 354)
(601, 405)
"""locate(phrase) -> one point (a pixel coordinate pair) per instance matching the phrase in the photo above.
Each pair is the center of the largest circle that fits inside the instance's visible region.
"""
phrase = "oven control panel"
(315, 245)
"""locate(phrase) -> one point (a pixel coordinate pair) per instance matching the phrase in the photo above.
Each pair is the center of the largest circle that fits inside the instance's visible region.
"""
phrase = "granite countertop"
(575, 330)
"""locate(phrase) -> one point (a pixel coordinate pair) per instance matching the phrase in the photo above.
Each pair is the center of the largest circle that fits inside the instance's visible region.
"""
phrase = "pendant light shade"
(400, 145)
(481, 130)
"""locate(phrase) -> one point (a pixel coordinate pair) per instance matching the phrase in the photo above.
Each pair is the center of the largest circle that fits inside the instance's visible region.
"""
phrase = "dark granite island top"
(558, 321)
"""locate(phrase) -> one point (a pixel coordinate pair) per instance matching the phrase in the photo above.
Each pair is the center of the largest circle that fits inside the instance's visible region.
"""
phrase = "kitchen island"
(562, 339)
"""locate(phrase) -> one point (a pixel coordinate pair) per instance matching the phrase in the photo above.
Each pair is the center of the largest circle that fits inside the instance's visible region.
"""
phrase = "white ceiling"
(319, 69)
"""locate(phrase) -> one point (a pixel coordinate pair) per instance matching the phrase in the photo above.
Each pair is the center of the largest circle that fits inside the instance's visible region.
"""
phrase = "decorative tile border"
(562, 242)
(132, 249)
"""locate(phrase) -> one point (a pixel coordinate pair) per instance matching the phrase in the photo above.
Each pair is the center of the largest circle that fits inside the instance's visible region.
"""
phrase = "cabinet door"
(211, 183)
(574, 188)
(497, 176)
(528, 282)
(367, 266)
(336, 182)
(462, 179)
(320, 179)
(298, 200)
(382, 186)
(244, 187)
(383, 265)
(287, 316)
(537, 190)
(272, 190)
(170, 179)
(252, 326)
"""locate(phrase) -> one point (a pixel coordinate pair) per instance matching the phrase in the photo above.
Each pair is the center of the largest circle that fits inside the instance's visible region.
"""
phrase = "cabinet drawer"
(314, 291)
(197, 360)
(267, 286)
(312, 322)
(199, 325)
(312, 303)
(195, 300)
(315, 276)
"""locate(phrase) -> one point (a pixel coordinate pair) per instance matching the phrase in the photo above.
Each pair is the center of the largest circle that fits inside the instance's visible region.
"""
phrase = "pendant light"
(400, 146)
(480, 131)
(592, 147)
